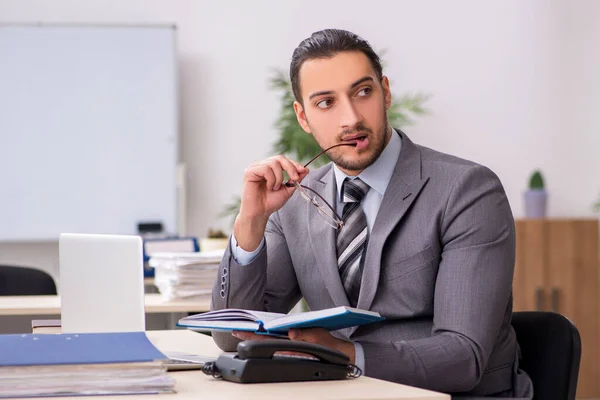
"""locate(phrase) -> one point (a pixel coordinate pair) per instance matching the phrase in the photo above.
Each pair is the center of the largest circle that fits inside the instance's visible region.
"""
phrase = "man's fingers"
(294, 334)
(294, 169)
(281, 164)
(269, 176)
(303, 335)
(259, 172)
(302, 171)
(300, 168)
(247, 335)
(310, 335)
(277, 169)
(271, 171)
(290, 167)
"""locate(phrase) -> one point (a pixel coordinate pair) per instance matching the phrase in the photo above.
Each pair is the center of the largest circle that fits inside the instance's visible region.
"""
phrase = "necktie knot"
(354, 190)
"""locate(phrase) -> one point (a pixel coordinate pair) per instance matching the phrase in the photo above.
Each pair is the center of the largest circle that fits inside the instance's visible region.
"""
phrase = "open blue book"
(232, 319)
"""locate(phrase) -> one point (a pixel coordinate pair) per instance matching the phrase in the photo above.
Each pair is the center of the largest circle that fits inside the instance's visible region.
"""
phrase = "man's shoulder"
(434, 159)
(437, 164)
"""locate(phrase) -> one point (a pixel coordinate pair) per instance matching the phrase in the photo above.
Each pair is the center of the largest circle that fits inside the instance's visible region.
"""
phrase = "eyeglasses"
(323, 207)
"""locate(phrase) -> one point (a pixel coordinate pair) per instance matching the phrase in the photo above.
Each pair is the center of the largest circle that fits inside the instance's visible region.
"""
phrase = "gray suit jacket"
(439, 267)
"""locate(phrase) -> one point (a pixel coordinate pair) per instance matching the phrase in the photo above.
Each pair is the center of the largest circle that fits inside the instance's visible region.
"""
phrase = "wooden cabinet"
(557, 269)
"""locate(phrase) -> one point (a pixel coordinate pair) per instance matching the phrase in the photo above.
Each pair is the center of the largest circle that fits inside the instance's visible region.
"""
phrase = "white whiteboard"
(88, 129)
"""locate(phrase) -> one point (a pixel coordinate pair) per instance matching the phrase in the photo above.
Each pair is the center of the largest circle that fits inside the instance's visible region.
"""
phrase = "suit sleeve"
(267, 283)
(472, 292)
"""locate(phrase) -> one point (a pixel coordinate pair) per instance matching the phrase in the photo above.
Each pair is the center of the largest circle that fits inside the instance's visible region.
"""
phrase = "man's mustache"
(360, 128)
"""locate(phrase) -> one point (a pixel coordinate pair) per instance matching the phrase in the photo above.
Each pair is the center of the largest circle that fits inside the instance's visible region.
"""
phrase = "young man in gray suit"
(424, 238)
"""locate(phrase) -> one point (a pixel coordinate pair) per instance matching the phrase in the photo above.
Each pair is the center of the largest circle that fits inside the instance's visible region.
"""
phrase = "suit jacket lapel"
(323, 238)
(404, 187)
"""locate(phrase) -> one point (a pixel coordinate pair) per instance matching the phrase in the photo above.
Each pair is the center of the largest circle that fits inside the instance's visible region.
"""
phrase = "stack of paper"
(185, 275)
(81, 364)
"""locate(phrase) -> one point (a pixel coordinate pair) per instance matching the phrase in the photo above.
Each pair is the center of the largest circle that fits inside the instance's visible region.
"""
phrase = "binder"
(82, 348)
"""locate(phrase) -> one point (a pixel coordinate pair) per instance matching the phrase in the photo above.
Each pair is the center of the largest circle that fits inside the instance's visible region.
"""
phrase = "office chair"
(550, 353)
(23, 281)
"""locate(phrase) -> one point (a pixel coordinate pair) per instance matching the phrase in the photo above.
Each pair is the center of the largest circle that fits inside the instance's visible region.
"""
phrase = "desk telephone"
(256, 361)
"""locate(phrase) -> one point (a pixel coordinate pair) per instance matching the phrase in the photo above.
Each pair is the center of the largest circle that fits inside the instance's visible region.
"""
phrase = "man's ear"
(301, 117)
(387, 93)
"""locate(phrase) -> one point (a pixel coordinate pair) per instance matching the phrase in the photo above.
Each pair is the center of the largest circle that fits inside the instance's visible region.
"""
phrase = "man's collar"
(378, 174)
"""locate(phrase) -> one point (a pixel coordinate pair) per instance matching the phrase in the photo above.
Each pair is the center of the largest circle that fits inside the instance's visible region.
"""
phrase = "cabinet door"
(529, 278)
(572, 288)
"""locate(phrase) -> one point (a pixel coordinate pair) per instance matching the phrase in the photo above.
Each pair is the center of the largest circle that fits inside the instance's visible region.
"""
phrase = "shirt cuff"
(242, 256)
(359, 357)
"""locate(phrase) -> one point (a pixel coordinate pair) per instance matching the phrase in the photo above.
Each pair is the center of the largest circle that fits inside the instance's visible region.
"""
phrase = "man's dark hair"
(326, 44)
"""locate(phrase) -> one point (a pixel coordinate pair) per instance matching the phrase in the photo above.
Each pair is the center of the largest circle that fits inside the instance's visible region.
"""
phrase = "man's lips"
(359, 136)
(360, 141)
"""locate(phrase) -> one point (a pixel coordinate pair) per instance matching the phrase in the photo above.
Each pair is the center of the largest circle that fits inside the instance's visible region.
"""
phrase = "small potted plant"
(536, 197)
(215, 240)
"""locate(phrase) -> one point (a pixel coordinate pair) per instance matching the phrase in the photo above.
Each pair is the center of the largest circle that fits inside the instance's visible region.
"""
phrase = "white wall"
(514, 84)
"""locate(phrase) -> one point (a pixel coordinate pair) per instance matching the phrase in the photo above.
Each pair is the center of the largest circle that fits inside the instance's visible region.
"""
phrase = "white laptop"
(101, 283)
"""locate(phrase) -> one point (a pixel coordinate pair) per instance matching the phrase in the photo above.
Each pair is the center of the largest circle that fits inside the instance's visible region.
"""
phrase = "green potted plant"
(536, 197)
(300, 146)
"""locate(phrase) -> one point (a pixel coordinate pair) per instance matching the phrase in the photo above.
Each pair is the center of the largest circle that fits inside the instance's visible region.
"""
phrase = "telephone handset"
(256, 361)
(267, 349)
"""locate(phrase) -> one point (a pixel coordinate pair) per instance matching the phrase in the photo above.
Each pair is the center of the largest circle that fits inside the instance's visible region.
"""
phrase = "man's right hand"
(263, 193)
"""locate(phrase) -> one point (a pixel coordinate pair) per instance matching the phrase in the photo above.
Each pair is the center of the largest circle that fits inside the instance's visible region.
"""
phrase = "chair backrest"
(550, 353)
(23, 281)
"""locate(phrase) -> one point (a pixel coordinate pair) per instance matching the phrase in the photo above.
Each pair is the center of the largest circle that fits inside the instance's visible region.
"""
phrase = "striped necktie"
(352, 238)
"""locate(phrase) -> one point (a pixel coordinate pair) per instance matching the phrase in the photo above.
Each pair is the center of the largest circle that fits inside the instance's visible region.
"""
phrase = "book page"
(233, 314)
(221, 325)
(304, 316)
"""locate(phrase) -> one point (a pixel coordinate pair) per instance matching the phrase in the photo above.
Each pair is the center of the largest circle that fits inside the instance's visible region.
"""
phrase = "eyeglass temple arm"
(327, 149)
(287, 182)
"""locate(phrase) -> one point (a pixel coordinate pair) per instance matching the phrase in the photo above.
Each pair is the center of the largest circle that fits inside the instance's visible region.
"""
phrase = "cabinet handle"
(554, 298)
(539, 299)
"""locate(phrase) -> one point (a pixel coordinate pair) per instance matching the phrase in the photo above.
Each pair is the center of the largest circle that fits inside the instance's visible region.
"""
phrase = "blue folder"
(81, 348)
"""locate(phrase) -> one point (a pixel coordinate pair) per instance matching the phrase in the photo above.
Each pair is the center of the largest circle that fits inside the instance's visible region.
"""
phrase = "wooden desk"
(50, 305)
(195, 384)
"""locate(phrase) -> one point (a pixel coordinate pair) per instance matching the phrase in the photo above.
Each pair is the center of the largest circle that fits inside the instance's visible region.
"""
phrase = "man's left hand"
(310, 335)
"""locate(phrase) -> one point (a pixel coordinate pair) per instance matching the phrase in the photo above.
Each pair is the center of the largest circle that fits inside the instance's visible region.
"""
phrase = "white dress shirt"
(377, 176)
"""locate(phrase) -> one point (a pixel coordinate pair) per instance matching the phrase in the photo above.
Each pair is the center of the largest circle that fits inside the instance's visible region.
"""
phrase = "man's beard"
(377, 143)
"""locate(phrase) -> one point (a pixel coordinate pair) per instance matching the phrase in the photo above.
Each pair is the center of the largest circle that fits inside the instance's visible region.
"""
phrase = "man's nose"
(349, 116)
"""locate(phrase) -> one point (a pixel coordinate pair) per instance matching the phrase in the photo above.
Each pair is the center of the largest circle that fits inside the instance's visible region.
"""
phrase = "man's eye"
(364, 92)
(325, 103)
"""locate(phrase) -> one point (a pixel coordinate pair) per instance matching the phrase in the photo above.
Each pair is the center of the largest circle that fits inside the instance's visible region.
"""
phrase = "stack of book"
(35, 365)
(185, 275)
